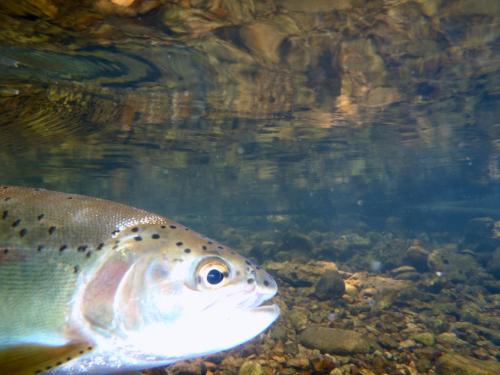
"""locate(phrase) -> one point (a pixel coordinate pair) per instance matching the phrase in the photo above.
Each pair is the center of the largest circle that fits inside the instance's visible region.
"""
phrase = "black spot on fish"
(59, 363)
(116, 231)
(226, 274)
(70, 198)
(6, 199)
(5, 251)
(63, 247)
(48, 367)
(173, 227)
(248, 263)
(117, 242)
(155, 236)
(179, 243)
(82, 248)
(40, 217)
(163, 227)
(250, 281)
(186, 228)
(100, 246)
(88, 254)
(40, 247)
(220, 247)
(23, 232)
(52, 230)
(76, 269)
(204, 248)
(138, 238)
(5, 214)
(187, 251)
(115, 247)
(266, 283)
(210, 242)
(135, 229)
(16, 223)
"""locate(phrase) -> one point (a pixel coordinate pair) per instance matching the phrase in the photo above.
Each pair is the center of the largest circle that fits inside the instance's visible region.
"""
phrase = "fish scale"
(89, 285)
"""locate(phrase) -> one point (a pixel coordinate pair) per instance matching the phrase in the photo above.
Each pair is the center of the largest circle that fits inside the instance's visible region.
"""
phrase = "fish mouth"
(270, 309)
(262, 305)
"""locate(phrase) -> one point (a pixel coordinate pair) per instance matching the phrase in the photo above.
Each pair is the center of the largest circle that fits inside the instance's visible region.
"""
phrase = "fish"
(89, 285)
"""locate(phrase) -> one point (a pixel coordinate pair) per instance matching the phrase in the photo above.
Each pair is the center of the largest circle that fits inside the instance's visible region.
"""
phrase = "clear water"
(265, 117)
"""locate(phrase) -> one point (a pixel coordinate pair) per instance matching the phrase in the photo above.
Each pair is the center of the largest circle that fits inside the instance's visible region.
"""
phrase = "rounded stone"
(331, 285)
(250, 368)
(334, 340)
(417, 256)
(452, 364)
(425, 338)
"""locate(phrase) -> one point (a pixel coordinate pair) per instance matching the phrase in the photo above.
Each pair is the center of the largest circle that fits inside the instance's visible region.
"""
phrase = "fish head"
(179, 295)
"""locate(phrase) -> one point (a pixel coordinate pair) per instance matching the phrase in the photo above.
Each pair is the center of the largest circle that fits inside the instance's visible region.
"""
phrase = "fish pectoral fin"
(36, 359)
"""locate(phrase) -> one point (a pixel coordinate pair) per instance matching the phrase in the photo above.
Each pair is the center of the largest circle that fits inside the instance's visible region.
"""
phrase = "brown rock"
(455, 364)
(334, 340)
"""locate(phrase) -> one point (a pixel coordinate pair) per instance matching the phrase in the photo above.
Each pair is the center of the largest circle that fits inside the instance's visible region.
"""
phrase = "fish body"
(89, 285)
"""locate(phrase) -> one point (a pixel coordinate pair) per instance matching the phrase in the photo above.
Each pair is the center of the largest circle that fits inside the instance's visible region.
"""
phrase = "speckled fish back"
(46, 239)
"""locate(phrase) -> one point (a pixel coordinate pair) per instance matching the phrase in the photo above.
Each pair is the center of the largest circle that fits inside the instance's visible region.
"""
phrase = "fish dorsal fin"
(36, 359)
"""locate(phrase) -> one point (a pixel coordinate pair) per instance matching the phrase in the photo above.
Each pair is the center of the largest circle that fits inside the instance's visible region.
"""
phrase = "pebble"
(298, 318)
(425, 338)
(351, 290)
(449, 338)
(250, 368)
(299, 363)
(407, 344)
(185, 368)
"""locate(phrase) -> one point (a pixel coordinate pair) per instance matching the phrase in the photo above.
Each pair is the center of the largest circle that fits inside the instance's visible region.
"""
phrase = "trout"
(93, 286)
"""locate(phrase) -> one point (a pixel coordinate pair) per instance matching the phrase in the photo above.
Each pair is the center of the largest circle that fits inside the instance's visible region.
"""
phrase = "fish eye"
(214, 276)
(212, 273)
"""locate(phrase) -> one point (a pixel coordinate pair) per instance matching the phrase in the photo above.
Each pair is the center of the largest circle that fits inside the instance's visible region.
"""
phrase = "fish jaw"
(160, 345)
(205, 333)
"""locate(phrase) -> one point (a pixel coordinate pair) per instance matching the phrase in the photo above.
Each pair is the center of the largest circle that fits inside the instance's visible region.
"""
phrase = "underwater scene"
(343, 155)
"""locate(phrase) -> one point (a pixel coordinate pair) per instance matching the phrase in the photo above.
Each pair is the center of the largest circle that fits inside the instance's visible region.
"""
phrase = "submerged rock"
(482, 234)
(300, 274)
(250, 368)
(299, 319)
(330, 286)
(425, 338)
(334, 340)
(297, 241)
(405, 273)
(418, 257)
(493, 265)
(455, 364)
